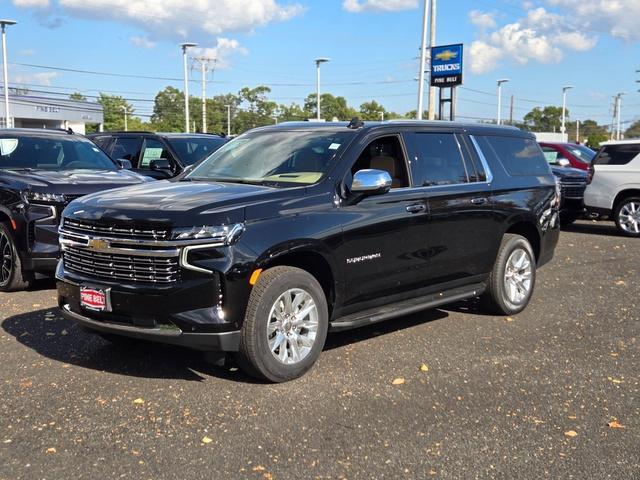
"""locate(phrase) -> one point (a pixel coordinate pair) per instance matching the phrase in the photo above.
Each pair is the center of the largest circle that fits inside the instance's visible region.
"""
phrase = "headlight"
(45, 197)
(217, 234)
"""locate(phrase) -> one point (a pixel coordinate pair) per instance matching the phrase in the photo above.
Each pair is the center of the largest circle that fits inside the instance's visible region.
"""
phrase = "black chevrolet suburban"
(290, 231)
(41, 171)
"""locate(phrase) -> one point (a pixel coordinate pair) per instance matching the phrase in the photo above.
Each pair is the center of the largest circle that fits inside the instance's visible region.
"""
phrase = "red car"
(578, 156)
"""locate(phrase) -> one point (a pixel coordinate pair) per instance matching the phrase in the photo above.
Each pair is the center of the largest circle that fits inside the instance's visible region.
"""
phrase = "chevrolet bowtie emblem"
(446, 55)
(97, 244)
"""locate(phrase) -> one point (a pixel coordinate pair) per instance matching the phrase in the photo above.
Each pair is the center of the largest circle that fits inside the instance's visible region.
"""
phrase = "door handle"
(416, 208)
(479, 200)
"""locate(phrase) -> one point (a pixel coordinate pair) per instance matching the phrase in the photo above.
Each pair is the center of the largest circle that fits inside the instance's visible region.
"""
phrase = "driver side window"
(385, 153)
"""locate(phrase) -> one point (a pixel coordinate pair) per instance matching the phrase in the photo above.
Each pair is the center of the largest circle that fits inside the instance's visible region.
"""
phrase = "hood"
(568, 172)
(74, 182)
(171, 202)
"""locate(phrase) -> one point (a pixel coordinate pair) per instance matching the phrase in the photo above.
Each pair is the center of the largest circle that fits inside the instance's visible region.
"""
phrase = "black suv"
(158, 155)
(41, 171)
(289, 231)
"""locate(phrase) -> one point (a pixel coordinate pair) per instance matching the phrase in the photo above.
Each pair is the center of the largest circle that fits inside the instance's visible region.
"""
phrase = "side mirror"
(124, 164)
(371, 182)
(160, 165)
(563, 162)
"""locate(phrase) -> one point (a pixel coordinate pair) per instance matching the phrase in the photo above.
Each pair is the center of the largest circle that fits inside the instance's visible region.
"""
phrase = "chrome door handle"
(417, 208)
(479, 200)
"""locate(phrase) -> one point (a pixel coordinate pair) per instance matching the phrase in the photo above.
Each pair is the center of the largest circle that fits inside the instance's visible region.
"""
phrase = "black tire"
(12, 278)
(495, 299)
(616, 215)
(255, 357)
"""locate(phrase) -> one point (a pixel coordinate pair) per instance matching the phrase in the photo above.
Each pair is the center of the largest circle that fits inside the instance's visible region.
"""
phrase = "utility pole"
(613, 117)
(185, 46)
(618, 115)
(432, 43)
(205, 63)
(7, 116)
(124, 109)
(511, 111)
(423, 60)
(577, 131)
(228, 120)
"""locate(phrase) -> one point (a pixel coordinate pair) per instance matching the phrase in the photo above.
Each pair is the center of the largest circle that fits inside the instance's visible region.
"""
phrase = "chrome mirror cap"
(371, 181)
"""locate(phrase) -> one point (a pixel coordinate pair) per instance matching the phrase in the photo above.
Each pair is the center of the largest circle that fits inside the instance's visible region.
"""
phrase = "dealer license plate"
(96, 299)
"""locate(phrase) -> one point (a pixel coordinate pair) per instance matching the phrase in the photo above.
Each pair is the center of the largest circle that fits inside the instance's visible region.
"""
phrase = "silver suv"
(614, 185)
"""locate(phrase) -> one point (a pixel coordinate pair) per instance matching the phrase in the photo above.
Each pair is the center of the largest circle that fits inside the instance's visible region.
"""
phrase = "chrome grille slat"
(115, 231)
(129, 267)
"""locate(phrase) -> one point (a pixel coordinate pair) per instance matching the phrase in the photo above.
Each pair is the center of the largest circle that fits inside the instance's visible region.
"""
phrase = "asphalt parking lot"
(449, 393)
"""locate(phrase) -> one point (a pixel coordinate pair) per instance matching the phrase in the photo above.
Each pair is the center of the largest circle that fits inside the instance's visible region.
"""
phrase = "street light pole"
(564, 108)
(618, 117)
(5, 24)
(228, 120)
(423, 60)
(184, 47)
(500, 82)
(431, 106)
(318, 62)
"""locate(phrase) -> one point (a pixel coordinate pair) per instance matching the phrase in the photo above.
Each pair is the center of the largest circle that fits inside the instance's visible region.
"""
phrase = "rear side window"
(438, 159)
(617, 154)
(519, 156)
(127, 148)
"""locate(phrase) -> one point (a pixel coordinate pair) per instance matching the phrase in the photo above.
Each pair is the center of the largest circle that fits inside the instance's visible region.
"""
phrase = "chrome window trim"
(483, 159)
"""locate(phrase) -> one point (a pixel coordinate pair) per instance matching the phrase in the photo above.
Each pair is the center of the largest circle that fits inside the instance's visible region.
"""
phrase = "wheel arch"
(621, 195)
(529, 231)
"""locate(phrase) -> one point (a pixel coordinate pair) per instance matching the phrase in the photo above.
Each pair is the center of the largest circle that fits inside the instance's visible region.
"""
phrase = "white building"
(42, 112)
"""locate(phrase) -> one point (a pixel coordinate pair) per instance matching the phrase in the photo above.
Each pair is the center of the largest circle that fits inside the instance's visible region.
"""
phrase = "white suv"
(614, 188)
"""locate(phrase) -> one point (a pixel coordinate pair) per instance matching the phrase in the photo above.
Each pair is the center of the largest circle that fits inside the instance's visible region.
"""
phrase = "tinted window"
(582, 153)
(519, 156)
(192, 150)
(274, 157)
(617, 154)
(127, 148)
(52, 153)
(438, 159)
(101, 141)
(153, 150)
(551, 155)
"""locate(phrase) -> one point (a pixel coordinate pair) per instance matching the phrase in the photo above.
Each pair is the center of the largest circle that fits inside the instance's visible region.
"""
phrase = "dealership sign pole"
(446, 72)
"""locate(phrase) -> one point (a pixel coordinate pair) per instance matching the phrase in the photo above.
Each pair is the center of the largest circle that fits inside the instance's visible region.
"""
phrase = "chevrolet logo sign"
(446, 55)
(98, 244)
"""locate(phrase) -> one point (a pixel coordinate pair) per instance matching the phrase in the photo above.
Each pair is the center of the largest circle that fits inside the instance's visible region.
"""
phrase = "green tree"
(168, 110)
(78, 97)
(113, 107)
(372, 111)
(547, 119)
(255, 109)
(292, 113)
(330, 107)
(633, 131)
(589, 130)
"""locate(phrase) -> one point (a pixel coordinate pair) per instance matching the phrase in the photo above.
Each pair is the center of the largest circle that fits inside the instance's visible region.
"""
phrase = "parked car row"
(260, 247)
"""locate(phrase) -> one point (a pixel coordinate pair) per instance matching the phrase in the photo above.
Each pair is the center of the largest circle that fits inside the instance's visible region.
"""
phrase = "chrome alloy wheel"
(629, 217)
(517, 276)
(292, 326)
(6, 259)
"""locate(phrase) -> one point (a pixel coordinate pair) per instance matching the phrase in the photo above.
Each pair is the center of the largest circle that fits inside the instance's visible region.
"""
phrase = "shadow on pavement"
(594, 228)
(57, 338)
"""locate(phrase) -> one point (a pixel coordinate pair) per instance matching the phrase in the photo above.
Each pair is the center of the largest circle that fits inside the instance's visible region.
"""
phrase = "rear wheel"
(512, 279)
(11, 276)
(285, 326)
(627, 216)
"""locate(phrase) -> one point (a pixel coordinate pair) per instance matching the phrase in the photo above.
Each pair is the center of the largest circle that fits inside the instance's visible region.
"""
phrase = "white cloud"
(27, 52)
(224, 48)
(618, 18)
(482, 19)
(357, 6)
(40, 78)
(540, 36)
(31, 3)
(179, 18)
(141, 42)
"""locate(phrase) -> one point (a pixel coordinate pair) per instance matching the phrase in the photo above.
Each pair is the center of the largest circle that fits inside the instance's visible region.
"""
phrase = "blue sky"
(540, 45)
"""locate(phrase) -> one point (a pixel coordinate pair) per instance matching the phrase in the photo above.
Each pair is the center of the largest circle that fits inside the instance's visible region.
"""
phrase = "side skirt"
(406, 307)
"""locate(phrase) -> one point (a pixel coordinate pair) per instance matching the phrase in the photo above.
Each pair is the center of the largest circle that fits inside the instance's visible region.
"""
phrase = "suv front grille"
(123, 267)
(573, 188)
(134, 233)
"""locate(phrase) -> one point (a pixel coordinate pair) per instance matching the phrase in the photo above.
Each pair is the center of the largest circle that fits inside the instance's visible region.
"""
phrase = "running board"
(406, 307)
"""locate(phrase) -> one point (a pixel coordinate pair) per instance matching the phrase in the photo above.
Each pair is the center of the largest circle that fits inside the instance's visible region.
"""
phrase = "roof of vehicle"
(371, 125)
(160, 134)
(35, 131)
(631, 141)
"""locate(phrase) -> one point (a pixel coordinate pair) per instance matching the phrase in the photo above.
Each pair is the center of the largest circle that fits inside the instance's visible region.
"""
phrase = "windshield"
(51, 152)
(193, 149)
(582, 153)
(301, 157)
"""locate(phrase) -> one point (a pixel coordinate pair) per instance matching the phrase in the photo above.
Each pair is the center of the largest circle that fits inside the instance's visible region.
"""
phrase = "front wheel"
(285, 325)
(11, 276)
(627, 217)
(513, 277)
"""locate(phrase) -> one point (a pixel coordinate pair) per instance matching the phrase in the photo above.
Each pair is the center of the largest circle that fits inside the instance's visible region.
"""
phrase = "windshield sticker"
(334, 146)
